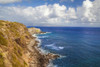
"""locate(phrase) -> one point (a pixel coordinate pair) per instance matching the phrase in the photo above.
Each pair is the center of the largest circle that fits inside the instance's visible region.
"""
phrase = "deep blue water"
(81, 46)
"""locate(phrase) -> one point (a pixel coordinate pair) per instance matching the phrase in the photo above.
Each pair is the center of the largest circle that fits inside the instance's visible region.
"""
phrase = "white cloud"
(87, 13)
(88, 5)
(8, 1)
(96, 10)
(40, 15)
(72, 0)
(54, 15)
(66, 0)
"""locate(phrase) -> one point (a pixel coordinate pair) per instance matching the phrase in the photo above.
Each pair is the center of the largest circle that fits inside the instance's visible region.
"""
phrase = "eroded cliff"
(14, 39)
(18, 48)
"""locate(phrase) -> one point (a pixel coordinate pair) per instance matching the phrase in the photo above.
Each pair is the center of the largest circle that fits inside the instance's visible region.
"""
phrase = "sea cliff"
(18, 48)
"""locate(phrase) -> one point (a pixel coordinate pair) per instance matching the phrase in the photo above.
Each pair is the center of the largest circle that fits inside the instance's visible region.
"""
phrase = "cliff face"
(18, 48)
(14, 38)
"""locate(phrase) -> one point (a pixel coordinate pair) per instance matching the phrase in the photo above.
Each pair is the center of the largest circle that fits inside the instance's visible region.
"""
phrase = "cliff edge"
(18, 48)
(14, 38)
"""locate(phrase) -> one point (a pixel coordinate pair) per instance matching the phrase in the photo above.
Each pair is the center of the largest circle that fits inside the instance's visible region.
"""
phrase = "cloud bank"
(53, 15)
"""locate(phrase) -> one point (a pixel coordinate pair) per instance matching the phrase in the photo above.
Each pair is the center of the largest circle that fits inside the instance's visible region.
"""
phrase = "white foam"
(44, 51)
(52, 46)
(34, 35)
(43, 36)
(61, 56)
(61, 47)
(51, 65)
(46, 33)
(37, 39)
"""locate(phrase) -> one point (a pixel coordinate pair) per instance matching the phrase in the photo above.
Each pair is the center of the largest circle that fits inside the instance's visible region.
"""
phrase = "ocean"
(78, 46)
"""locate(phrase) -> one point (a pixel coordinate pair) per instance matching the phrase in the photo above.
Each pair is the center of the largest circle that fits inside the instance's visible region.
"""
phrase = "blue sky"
(80, 13)
(35, 3)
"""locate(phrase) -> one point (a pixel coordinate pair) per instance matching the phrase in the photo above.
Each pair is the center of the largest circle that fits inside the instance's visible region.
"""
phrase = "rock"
(52, 56)
(34, 30)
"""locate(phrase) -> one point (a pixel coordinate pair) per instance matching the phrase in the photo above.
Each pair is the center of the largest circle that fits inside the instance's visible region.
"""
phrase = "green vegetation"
(15, 61)
(13, 38)
(1, 24)
(18, 51)
(3, 41)
(37, 30)
(1, 60)
(2, 21)
(25, 63)
(14, 28)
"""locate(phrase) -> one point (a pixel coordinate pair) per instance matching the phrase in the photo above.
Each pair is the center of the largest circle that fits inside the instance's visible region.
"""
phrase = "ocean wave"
(52, 46)
(44, 51)
(43, 36)
(34, 35)
(37, 39)
(46, 33)
(51, 62)
(61, 47)
(51, 65)
(61, 56)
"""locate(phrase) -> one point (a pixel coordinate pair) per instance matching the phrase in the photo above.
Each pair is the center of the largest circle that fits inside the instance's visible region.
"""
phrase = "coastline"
(38, 58)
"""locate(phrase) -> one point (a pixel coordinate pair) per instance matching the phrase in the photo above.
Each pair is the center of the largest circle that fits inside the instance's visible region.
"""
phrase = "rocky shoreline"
(39, 59)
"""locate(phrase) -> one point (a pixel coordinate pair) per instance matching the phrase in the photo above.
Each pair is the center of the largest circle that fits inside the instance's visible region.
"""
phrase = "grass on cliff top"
(16, 61)
(3, 41)
(18, 51)
(1, 60)
(1, 23)
(14, 28)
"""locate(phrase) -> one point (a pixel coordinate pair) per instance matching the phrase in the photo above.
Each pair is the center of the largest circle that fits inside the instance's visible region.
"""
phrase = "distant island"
(18, 48)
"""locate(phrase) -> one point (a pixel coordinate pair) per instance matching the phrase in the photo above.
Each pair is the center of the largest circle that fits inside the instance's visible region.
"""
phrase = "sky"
(69, 13)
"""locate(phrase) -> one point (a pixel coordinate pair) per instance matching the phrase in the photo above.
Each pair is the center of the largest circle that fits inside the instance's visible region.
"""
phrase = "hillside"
(18, 48)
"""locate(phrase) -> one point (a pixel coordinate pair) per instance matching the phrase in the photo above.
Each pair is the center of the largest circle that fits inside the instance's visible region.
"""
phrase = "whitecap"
(39, 40)
(51, 65)
(46, 33)
(61, 56)
(34, 35)
(53, 46)
(50, 45)
(44, 51)
(43, 36)
(61, 47)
